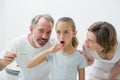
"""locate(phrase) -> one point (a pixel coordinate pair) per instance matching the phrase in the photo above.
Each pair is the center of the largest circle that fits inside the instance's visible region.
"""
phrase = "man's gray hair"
(46, 16)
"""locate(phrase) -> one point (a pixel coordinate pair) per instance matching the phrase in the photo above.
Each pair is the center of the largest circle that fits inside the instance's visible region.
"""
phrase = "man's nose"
(45, 36)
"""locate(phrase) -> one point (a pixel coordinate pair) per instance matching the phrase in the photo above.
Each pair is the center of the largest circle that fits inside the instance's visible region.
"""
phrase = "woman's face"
(91, 43)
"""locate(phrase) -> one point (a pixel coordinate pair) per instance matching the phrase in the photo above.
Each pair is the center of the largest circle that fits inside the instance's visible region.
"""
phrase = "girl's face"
(65, 33)
(91, 42)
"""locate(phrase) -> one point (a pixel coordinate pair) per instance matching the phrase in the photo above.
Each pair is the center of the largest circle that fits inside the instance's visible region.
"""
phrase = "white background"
(16, 15)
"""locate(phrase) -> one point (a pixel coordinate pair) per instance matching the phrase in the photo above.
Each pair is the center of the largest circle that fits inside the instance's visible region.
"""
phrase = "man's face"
(41, 32)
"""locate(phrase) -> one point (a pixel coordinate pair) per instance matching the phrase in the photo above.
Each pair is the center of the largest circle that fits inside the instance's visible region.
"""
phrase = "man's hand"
(8, 58)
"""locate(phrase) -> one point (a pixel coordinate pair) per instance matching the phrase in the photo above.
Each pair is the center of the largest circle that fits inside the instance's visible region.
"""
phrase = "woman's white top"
(101, 68)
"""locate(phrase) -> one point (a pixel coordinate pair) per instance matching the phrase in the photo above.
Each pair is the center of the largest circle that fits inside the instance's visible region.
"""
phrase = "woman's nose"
(86, 41)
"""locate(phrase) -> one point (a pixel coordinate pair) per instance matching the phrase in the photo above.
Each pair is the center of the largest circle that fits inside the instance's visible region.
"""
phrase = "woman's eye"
(93, 42)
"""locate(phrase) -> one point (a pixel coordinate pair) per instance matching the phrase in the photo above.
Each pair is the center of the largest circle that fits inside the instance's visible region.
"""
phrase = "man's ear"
(31, 28)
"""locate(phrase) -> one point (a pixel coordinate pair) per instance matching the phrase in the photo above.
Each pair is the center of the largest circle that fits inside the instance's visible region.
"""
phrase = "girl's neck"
(68, 50)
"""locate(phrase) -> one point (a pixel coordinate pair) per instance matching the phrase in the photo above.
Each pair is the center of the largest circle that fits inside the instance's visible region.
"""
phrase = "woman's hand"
(89, 58)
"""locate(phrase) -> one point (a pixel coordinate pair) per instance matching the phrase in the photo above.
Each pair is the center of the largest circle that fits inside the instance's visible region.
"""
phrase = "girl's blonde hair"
(72, 24)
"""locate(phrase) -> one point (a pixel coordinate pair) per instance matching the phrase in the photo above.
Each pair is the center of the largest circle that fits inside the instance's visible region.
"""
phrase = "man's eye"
(41, 31)
(49, 32)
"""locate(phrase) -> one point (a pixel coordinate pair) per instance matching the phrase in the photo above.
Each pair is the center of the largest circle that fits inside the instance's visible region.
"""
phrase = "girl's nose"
(61, 36)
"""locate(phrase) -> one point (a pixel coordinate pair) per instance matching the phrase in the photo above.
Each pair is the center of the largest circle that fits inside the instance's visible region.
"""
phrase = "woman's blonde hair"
(106, 35)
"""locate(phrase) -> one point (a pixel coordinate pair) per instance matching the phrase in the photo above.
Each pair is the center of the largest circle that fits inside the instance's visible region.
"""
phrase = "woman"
(103, 50)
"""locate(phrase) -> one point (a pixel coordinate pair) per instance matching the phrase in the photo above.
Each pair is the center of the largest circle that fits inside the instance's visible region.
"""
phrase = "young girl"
(65, 59)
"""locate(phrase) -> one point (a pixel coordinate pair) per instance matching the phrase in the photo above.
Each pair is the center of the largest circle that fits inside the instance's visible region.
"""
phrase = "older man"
(27, 46)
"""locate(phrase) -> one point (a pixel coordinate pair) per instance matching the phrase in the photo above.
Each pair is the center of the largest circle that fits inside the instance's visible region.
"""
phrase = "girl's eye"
(58, 32)
(66, 32)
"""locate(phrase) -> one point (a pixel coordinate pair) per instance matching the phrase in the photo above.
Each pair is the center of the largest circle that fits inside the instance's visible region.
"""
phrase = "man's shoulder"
(20, 38)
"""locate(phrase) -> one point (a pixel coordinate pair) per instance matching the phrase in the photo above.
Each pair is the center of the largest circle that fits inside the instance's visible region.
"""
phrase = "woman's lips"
(87, 46)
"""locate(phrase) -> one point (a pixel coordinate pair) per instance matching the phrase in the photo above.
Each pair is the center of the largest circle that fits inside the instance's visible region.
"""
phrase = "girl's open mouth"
(62, 43)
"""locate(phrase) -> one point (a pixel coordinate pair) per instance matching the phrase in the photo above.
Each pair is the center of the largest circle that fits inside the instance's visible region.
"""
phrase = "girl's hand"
(55, 48)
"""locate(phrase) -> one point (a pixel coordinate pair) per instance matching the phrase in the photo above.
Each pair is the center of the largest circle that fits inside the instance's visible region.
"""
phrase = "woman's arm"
(81, 74)
(89, 58)
(41, 56)
(115, 71)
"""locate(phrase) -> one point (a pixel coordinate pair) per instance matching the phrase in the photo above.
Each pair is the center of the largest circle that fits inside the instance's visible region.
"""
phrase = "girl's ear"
(74, 33)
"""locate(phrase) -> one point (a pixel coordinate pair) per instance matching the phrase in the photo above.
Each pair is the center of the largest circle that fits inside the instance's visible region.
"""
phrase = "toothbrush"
(22, 53)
